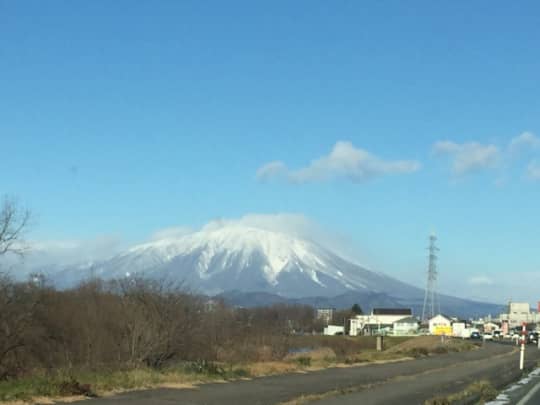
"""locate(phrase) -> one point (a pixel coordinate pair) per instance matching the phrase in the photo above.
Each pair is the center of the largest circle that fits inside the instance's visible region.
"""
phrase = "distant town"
(402, 322)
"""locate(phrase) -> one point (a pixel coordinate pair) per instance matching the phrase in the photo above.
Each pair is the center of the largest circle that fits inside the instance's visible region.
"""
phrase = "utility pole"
(431, 304)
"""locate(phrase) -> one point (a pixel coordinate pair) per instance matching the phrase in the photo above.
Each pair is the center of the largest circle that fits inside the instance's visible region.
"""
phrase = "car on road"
(487, 336)
(476, 335)
(533, 337)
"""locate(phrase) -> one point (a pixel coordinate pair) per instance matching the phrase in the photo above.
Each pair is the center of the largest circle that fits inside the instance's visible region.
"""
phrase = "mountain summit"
(239, 257)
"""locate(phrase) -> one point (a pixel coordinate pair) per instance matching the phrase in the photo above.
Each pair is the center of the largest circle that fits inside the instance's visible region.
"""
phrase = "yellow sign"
(442, 330)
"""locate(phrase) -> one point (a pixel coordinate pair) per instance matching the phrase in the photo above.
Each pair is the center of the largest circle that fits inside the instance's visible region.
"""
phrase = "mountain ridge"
(254, 261)
(231, 257)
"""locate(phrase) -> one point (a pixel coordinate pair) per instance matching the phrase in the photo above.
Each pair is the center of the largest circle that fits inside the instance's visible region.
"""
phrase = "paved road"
(532, 397)
(524, 392)
(272, 390)
(419, 388)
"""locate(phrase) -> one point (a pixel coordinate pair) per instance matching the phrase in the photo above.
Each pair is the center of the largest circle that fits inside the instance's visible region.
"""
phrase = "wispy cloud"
(45, 253)
(481, 280)
(468, 157)
(299, 226)
(533, 171)
(271, 170)
(345, 161)
(474, 156)
(173, 232)
(525, 141)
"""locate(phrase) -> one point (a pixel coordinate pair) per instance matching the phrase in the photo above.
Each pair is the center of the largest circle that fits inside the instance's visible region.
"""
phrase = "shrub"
(418, 352)
(205, 367)
(73, 387)
(440, 350)
(304, 361)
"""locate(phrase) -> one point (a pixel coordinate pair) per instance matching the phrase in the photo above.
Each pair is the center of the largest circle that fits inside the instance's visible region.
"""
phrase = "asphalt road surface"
(524, 392)
(410, 381)
(439, 383)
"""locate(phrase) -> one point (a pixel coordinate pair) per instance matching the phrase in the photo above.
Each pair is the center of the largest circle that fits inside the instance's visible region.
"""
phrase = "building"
(459, 328)
(406, 326)
(490, 327)
(332, 330)
(380, 321)
(519, 313)
(210, 305)
(325, 314)
(440, 325)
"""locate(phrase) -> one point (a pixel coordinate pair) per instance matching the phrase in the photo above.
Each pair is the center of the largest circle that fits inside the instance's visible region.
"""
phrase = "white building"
(379, 321)
(490, 327)
(325, 314)
(406, 326)
(517, 313)
(459, 329)
(440, 325)
(332, 330)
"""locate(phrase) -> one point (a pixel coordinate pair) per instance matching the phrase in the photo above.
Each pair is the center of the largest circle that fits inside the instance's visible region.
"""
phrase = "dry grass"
(266, 368)
(46, 400)
(318, 354)
(483, 389)
(47, 389)
(343, 346)
(433, 344)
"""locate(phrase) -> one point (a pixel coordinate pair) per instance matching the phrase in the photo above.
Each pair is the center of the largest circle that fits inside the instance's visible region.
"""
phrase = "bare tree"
(13, 222)
(17, 301)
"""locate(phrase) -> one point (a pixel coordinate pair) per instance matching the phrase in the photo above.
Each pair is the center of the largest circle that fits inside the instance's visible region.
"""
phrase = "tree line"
(128, 323)
(134, 322)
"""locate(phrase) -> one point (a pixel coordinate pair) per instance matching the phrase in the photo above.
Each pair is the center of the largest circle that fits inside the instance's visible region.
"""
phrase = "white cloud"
(344, 161)
(271, 170)
(171, 233)
(468, 157)
(480, 280)
(526, 140)
(62, 253)
(293, 224)
(76, 250)
(499, 287)
(533, 171)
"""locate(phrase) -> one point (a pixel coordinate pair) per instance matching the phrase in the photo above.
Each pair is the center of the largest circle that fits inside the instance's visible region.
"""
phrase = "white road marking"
(504, 397)
(529, 395)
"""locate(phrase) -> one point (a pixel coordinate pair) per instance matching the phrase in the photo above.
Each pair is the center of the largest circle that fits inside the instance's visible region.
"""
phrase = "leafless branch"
(13, 222)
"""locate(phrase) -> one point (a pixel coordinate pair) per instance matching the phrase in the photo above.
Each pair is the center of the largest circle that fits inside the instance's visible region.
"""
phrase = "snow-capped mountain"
(238, 257)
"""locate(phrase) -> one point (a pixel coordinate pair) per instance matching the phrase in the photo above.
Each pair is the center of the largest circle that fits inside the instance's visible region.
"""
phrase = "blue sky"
(123, 118)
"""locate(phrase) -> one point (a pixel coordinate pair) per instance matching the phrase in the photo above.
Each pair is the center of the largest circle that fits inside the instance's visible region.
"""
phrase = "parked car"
(476, 335)
(487, 336)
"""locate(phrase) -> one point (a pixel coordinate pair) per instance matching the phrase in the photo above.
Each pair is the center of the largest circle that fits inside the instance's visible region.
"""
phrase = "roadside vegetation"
(481, 391)
(105, 337)
(109, 335)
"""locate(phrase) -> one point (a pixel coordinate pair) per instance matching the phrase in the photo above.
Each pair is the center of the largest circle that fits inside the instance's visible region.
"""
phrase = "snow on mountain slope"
(238, 257)
(238, 244)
